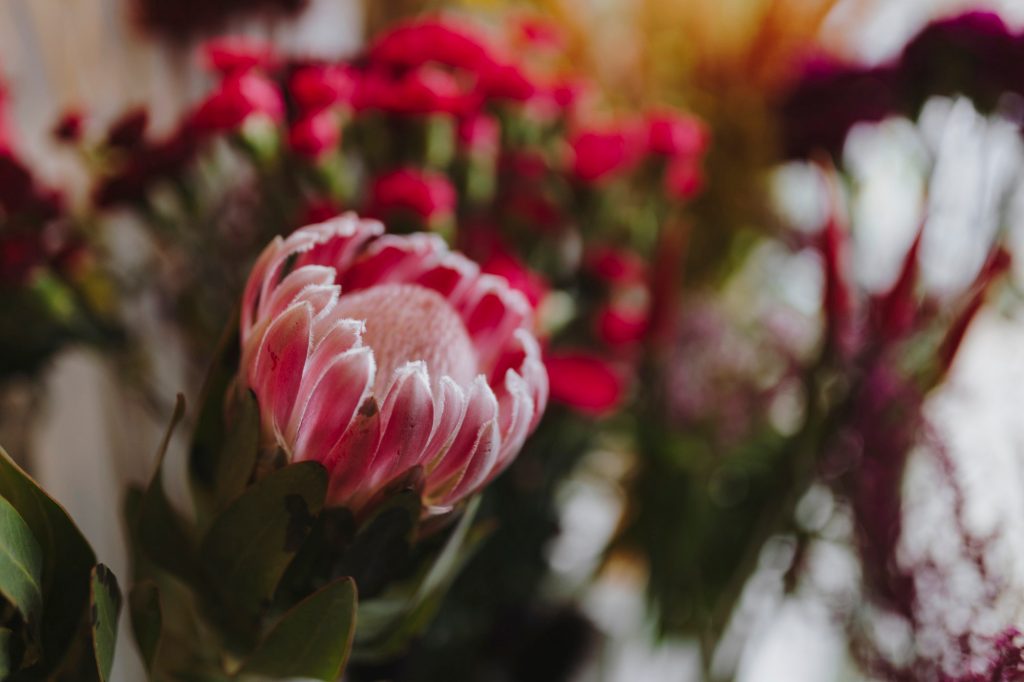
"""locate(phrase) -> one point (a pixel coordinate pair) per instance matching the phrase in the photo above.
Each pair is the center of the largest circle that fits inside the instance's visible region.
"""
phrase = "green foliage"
(60, 618)
(312, 639)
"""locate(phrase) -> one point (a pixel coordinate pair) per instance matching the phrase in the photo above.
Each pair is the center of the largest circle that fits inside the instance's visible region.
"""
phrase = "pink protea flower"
(375, 354)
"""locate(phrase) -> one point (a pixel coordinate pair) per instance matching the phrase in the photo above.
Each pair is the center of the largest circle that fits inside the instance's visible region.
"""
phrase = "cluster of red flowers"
(30, 234)
(441, 126)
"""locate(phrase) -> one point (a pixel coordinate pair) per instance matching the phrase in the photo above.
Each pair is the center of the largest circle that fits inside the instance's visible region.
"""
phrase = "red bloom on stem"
(375, 355)
(319, 86)
(508, 82)
(129, 130)
(320, 211)
(428, 195)
(480, 134)
(240, 95)
(69, 128)
(529, 283)
(684, 178)
(599, 155)
(616, 266)
(619, 326)
(316, 134)
(585, 382)
(233, 54)
(427, 89)
(432, 40)
(671, 133)
(20, 253)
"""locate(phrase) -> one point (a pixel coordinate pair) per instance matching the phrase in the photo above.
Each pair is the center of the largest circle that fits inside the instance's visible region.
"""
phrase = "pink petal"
(448, 412)
(350, 460)
(407, 418)
(279, 364)
(475, 444)
(340, 241)
(327, 402)
(290, 287)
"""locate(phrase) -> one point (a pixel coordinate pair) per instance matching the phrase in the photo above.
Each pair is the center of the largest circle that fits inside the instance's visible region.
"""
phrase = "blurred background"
(780, 86)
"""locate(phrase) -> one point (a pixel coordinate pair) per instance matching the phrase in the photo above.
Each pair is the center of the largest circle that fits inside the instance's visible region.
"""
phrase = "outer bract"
(375, 354)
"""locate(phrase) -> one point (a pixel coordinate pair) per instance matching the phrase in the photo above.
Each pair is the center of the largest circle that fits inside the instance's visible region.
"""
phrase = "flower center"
(407, 322)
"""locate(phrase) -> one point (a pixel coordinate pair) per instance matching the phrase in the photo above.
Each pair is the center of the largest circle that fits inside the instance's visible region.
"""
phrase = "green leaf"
(249, 546)
(21, 565)
(241, 447)
(208, 440)
(67, 559)
(313, 639)
(104, 609)
(147, 620)
(381, 549)
(161, 532)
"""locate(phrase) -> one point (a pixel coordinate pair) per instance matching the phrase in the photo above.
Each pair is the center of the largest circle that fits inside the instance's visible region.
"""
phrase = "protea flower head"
(374, 354)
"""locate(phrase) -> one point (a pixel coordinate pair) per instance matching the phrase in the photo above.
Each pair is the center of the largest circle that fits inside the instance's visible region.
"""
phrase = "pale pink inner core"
(407, 322)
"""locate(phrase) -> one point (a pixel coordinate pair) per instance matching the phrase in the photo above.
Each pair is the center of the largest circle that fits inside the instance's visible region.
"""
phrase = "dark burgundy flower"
(585, 382)
(128, 131)
(830, 98)
(146, 166)
(972, 54)
(239, 96)
(427, 195)
(20, 253)
(69, 127)
(316, 134)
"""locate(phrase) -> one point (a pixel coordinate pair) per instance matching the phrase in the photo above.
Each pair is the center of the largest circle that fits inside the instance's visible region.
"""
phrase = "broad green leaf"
(380, 552)
(104, 609)
(160, 530)
(21, 565)
(147, 620)
(67, 560)
(313, 639)
(236, 462)
(207, 449)
(249, 546)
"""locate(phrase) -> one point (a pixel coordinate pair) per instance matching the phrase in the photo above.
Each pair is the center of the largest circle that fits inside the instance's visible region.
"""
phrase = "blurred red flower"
(426, 194)
(584, 382)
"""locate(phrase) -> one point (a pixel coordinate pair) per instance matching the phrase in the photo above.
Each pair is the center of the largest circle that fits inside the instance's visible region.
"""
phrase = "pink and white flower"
(374, 354)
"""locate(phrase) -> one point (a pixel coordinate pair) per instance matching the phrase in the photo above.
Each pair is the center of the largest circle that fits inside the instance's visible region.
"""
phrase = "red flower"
(671, 133)
(619, 326)
(684, 178)
(320, 211)
(240, 95)
(425, 90)
(234, 54)
(599, 155)
(20, 253)
(428, 195)
(584, 382)
(319, 86)
(519, 277)
(481, 134)
(432, 40)
(617, 266)
(508, 82)
(69, 128)
(315, 135)
(128, 131)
